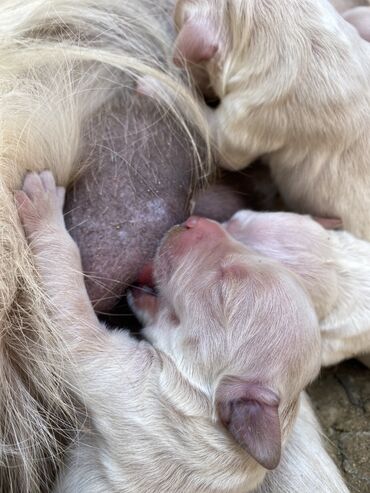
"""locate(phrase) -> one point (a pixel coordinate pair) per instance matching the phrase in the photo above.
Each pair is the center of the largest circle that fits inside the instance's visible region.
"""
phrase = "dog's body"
(334, 265)
(216, 395)
(67, 97)
(305, 466)
(293, 81)
(51, 99)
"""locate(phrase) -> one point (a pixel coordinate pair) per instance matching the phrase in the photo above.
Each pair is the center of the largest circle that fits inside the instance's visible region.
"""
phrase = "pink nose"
(197, 234)
(203, 225)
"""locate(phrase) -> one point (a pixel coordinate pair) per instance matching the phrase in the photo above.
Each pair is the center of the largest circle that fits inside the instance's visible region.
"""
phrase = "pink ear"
(250, 413)
(196, 43)
(329, 222)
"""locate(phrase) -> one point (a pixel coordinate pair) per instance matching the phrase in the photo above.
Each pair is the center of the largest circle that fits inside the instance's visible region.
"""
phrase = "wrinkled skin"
(149, 161)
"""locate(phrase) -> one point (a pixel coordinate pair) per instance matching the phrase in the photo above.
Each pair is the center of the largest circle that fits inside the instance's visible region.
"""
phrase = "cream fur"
(334, 265)
(62, 61)
(223, 311)
(293, 79)
(48, 76)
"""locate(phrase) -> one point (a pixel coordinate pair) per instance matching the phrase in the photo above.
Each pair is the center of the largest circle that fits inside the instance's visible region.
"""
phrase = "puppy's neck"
(200, 443)
(188, 397)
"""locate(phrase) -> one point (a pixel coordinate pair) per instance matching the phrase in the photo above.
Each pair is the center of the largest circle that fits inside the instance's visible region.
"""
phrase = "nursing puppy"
(293, 82)
(67, 97)
(208, 402)
(334, 267)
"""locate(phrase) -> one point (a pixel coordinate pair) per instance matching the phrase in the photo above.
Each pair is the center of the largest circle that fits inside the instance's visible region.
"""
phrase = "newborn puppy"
(206, 402)
(293, 82)
(333, 265)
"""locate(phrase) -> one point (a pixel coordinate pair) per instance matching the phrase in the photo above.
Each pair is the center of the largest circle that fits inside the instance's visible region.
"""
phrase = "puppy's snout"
(197, 234)
(204, 227)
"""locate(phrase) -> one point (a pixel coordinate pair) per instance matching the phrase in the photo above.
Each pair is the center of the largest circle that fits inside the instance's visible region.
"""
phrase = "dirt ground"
(341, 397)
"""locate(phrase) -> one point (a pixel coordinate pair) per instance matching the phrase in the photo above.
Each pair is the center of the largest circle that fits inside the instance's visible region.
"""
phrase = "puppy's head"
(206, 40)
(245, 42)
(240, 327)
(301, 243)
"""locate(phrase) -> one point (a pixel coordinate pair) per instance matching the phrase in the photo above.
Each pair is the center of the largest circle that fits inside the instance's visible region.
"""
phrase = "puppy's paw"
(40, 203)
(143, 304)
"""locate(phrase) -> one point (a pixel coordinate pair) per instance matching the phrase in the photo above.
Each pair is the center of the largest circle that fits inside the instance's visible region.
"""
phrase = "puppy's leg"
(57, 258)
(305, 466)
(104, 361)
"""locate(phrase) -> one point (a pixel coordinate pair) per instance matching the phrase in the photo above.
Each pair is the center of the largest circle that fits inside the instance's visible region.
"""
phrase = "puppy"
(206, 402)
(293, 82)
(333, 265)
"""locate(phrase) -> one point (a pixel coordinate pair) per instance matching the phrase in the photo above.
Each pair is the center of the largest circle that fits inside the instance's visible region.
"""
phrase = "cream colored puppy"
(207, 401)
(335, 269)
(293, 80)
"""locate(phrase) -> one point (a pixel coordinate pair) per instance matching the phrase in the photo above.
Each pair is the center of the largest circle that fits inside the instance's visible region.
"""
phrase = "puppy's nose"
(203, 225)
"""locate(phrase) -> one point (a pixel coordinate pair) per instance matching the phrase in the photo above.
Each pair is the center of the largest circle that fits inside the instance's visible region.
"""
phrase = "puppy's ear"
(250, 414)
(329, 222)
(196, 42)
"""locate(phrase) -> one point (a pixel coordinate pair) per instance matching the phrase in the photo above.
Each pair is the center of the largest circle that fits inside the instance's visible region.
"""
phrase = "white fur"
(153, 421)
(334, 265)
(293, 79)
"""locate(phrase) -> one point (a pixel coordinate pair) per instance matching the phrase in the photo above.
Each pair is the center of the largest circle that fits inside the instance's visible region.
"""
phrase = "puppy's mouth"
(145, 282)
(147, 278)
